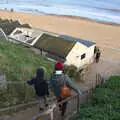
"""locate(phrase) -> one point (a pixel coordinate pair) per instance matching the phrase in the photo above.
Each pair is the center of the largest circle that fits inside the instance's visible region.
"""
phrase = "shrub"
(105, 103)
(71, 71)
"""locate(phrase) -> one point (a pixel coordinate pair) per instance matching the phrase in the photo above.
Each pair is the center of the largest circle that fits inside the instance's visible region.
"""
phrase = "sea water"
(100, 10)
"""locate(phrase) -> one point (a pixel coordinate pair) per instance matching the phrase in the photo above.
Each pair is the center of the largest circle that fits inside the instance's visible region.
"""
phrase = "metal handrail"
(51, 111)
(10, 89)
(18, 106)
(12, 82)
(78, 99)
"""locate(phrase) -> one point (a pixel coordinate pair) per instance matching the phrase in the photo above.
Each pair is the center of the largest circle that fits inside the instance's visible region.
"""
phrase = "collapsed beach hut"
(70, 50)
(27, 35)
(7, 26)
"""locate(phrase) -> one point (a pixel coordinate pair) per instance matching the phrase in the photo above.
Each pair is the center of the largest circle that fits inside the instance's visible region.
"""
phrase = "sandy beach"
(106, 36)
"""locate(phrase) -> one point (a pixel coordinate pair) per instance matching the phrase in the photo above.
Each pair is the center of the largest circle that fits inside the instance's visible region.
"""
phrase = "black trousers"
(62, 106)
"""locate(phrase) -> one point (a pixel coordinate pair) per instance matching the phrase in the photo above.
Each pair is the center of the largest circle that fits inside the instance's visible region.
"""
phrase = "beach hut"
(70, 50)
(27, 35)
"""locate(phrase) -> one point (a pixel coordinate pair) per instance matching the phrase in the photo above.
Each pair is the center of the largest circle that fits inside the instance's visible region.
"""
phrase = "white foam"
(92, 13)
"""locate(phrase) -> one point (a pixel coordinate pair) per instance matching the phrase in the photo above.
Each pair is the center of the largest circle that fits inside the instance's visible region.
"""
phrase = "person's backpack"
(65, 91)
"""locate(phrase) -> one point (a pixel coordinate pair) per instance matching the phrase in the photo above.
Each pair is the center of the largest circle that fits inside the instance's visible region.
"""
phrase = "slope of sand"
(105, 35)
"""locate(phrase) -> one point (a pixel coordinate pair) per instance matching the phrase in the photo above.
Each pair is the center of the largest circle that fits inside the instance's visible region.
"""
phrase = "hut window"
(83, 56)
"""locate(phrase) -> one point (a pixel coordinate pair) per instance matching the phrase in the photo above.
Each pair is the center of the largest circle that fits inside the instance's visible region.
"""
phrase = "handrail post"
(51, 115)
(78, 104)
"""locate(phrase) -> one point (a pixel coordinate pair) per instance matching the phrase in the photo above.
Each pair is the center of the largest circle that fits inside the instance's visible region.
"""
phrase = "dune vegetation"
(105, 104)
(19, 64)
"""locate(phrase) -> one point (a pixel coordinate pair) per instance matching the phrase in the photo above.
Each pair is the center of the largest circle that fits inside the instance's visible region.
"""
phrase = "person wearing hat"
(58, 80)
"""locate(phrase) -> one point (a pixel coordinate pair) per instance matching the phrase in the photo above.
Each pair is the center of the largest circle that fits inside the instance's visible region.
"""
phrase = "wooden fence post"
(24, 92)
(78, 104)
(96, 79)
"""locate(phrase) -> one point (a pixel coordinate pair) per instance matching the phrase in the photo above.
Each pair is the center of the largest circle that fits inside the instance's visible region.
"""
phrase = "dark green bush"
(105, 103)
(71, 71)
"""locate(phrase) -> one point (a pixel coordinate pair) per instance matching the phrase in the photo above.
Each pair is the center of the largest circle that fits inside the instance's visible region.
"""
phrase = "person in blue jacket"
(57, 80)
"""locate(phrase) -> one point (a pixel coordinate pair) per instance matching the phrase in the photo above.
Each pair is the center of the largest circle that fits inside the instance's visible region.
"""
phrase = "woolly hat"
(59, 65)
(42, 72)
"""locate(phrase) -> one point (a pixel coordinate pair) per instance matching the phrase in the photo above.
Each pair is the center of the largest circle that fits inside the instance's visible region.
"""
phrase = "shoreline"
(85, 18)
(101, 33)
(67, 16)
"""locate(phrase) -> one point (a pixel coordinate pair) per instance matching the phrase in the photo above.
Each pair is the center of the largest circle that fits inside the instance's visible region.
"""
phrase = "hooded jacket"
(59, 79)
(40, 85)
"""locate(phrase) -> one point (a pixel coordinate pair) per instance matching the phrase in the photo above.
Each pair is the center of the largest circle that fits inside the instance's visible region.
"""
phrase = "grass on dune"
(20, 63)
(105, 104)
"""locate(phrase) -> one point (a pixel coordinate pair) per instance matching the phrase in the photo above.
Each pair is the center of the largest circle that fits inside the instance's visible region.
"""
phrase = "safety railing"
(15, 94)
(18, 94)
(72, 107)
(73, 104)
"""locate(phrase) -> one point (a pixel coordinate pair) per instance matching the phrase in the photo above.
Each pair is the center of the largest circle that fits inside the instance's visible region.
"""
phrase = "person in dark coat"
(98, 55)
(40, 85)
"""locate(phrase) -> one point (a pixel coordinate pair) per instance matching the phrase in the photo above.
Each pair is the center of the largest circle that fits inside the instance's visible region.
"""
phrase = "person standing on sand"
(57, 81)
(97, 55)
